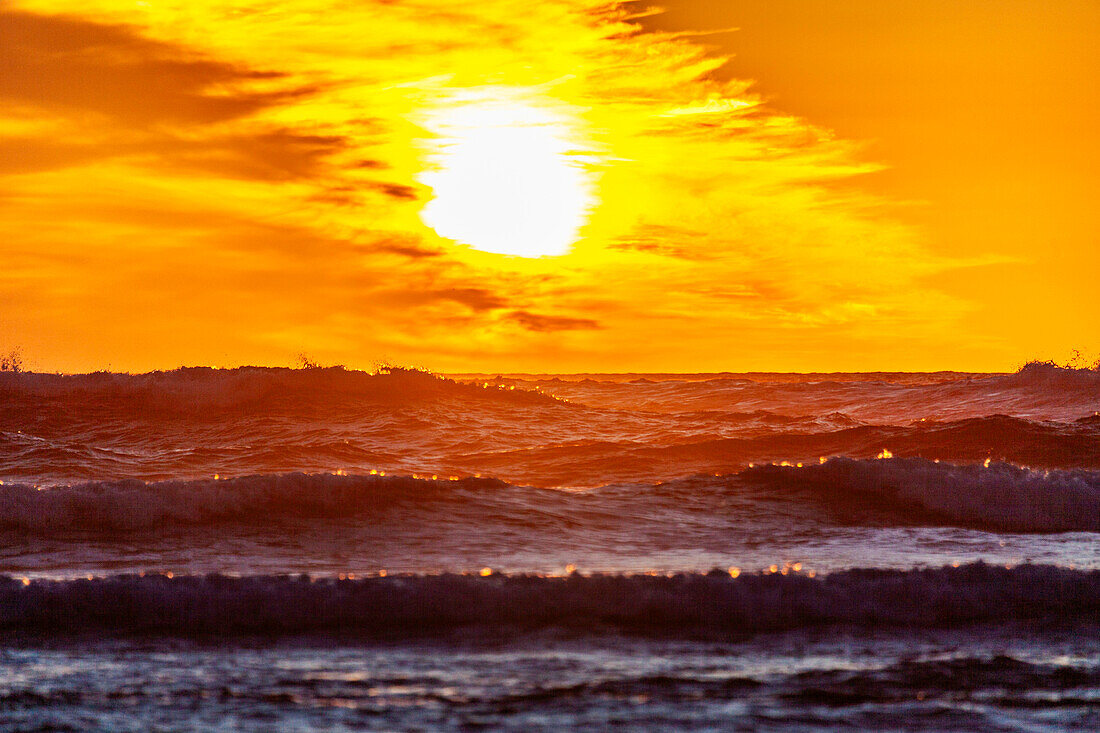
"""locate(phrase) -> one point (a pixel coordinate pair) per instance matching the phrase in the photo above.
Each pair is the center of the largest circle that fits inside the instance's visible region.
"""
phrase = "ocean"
(327, 549)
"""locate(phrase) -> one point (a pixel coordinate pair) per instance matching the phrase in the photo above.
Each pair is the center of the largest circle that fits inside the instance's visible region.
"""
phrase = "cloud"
(405, 247)
(275, 155)
(164, 165)
(395, 190)
(65, 63)
(544, 323)
(666, 241)
(476, 299)
(104, 90)
(26, 154)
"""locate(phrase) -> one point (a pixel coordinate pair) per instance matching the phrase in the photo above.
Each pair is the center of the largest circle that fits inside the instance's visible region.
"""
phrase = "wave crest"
(133, 505)
(998, 495)
(194, 389)
(1058, 376)
(893, 490)
(679, 605)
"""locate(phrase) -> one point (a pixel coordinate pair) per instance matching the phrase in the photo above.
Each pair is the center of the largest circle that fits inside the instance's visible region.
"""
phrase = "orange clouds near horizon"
(240, 182)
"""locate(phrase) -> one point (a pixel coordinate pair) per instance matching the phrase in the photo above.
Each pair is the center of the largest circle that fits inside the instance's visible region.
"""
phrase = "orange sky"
(834, 186)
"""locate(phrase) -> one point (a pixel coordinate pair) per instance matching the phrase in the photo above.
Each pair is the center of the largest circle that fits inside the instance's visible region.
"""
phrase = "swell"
(556, 444)
(676, 606)
(1000, 679)
(884, 491)
(1037, 391)
(188, 423)
(997, 437)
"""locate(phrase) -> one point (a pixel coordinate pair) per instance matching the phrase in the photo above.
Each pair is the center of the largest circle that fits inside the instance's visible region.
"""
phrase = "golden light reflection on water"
(505, 173)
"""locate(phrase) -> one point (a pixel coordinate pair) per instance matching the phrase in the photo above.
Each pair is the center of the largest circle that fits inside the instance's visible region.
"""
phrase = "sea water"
(329, 549)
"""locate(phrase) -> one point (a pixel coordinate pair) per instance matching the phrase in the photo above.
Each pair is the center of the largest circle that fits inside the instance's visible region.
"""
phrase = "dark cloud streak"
(545, 324)
(61, 63)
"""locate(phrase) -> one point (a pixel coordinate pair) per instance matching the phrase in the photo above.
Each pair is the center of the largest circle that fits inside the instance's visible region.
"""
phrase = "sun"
(506, 175)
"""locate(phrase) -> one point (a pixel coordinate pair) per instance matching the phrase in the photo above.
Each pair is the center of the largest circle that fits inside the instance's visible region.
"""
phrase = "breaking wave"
(134, 505)
(1038, 391)
(195, 389)
(998, 495)
(1047, 374)
(677, 605)
(893, 491)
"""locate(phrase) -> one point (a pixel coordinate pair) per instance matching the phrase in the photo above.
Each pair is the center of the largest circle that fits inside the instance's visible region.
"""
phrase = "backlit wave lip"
(189, 389)
(991, 494)
(1037, 391)
(685, 604)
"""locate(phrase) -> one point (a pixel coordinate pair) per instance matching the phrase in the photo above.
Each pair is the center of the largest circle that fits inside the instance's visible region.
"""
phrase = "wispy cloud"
(543, 322)
(245, 178)
(74, 65)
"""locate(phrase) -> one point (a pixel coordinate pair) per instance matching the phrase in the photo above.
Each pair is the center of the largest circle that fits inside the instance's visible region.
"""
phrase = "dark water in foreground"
(321, 549)
(1006, 679)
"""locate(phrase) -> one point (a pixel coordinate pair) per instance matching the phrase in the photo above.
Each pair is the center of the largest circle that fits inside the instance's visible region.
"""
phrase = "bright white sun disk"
(506, 178)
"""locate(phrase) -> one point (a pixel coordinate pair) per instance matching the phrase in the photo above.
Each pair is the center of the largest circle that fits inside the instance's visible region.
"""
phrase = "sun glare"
(506, 176)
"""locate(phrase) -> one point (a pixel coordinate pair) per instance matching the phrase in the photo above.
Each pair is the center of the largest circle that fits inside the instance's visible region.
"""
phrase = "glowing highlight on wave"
(506, 175)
